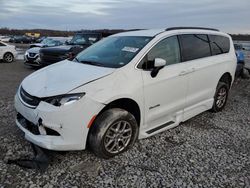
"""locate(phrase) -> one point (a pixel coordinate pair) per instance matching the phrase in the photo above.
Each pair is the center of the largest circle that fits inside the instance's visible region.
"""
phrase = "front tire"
(8, 57)
(220, 97)
(113, 132)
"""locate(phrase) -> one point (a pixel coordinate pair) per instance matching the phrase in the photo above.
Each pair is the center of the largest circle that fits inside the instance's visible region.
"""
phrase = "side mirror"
(159, 63)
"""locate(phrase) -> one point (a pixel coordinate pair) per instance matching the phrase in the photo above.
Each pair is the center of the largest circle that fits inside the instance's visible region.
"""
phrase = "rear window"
(219, 44)
(194, 46)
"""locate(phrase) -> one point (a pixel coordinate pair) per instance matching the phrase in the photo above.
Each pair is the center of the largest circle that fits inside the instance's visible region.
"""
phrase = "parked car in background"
(31, 56)
(240, 59)
(33, 35)
(40, 39)
(21, 39)
(246, 47)
(127, 86)
(78, 43)
(50, 42)
(7, 52)
(4, 38)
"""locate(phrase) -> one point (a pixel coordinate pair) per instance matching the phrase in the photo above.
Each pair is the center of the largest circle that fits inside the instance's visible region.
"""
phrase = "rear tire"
(220, 97)
(8, 57)
(113, 132)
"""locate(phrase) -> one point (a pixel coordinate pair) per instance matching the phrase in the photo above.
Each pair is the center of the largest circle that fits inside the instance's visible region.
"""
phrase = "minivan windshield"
(113, 52)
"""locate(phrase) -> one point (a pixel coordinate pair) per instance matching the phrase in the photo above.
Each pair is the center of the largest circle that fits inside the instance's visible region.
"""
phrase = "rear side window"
(219, 44)
(194, 46)
(1, 44)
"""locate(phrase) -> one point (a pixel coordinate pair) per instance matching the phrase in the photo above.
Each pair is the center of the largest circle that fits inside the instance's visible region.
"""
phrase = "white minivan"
(125, 87)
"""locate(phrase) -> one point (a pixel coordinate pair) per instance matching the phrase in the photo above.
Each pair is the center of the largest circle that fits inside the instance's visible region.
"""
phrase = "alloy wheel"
(118, 137)
(8, 58)
(221, 97)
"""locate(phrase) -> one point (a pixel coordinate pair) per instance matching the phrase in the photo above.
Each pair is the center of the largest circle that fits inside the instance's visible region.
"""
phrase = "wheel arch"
(8, 52)
(226, 78)
(127, 104)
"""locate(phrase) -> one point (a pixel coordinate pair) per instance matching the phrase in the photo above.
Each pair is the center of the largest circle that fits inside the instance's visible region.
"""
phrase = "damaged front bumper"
(57, 128)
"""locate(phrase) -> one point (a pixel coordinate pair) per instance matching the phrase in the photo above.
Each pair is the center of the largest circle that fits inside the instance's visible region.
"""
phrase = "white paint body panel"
(180, 96)
(61, 78)
(171, 102)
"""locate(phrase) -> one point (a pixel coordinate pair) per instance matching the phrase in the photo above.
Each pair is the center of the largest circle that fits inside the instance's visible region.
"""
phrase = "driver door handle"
(182, 73)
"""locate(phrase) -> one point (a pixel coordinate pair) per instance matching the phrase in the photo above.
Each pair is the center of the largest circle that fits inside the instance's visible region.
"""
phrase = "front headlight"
(26, 53)
(64, 99)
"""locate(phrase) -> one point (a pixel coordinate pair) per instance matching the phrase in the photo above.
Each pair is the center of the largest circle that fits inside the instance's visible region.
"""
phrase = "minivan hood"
(61, 78)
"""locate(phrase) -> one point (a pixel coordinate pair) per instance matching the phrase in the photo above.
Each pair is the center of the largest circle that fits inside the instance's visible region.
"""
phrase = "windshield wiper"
(90, 63)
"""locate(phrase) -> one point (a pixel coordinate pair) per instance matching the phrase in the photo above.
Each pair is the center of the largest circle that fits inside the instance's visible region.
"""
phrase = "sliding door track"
(160, 127)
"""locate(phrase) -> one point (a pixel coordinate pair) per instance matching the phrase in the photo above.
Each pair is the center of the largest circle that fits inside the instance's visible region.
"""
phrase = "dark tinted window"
(167, 49)
(219, 44)
(194, 46)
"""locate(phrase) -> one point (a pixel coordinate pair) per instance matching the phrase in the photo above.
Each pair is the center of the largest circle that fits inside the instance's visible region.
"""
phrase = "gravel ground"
(210, 150)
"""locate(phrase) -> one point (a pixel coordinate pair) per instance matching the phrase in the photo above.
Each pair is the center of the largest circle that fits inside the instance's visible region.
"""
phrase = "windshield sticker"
(130, 49)
(91, 38)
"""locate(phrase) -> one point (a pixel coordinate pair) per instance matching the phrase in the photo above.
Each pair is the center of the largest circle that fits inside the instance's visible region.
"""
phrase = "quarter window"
(194, 46)
(219, 44)
(167, 49)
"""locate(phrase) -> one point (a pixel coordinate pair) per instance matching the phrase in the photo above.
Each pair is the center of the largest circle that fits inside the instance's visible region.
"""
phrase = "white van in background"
(127, 86)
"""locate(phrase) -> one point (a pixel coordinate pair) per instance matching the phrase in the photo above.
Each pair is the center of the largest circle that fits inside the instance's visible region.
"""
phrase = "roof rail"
(202, 28)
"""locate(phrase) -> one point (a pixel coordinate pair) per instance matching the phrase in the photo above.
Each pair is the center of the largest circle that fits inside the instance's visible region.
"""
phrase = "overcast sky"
(228, 15)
